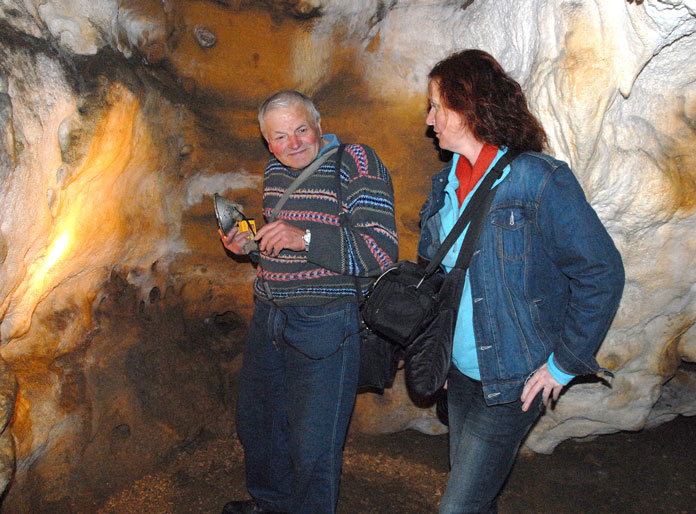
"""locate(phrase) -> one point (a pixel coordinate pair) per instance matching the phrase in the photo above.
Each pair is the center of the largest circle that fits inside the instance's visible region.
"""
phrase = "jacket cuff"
(560, 376)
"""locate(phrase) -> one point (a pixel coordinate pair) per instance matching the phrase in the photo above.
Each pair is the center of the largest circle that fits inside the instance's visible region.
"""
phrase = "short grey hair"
(287, 98)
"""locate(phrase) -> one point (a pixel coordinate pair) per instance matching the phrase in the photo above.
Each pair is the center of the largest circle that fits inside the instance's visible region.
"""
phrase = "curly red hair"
(492, 105)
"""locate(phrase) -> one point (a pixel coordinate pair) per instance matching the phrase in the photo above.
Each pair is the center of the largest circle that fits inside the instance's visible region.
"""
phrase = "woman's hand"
(278, 236)
(542, 381)
(234, 241)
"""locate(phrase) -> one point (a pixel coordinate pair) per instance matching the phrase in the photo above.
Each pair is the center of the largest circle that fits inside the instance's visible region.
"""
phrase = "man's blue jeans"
(483, 445)
(296, 393)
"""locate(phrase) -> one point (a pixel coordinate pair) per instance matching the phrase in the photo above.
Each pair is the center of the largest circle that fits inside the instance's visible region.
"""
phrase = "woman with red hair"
(542, 286)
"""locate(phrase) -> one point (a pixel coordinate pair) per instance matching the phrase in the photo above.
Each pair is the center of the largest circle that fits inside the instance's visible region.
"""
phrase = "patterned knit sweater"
(367, 247)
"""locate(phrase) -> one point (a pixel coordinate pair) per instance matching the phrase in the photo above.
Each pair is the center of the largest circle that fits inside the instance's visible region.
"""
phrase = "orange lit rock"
(394, 411)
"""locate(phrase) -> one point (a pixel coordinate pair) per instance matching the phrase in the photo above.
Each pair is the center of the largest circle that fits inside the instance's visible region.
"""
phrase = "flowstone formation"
(122, 318)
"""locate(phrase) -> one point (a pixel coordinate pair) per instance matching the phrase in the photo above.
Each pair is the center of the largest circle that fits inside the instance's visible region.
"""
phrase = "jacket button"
(483, 348)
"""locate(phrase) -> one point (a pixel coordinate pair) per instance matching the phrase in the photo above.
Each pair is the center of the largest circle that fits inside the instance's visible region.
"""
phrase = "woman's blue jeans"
(484, 441)
(296, 394)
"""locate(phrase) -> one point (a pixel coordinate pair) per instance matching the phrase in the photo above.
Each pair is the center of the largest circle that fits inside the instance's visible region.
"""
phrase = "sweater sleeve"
(368, 243)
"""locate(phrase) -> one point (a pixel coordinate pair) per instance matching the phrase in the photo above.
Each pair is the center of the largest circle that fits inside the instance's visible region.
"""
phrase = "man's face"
(292, 136)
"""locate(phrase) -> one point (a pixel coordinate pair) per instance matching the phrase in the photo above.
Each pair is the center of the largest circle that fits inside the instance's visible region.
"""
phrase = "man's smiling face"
(292, 135)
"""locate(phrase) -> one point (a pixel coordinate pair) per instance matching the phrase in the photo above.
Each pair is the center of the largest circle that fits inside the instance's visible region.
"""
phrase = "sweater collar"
(330, 141)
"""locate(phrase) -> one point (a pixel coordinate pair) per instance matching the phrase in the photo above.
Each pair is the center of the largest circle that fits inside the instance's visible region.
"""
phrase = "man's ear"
(264, 139)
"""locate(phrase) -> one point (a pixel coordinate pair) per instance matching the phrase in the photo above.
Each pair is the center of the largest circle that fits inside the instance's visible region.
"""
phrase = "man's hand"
(278, 236)
(542, 381)
(234, 241)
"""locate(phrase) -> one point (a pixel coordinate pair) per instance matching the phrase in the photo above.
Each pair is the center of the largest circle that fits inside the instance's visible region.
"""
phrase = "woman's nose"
(430, 119)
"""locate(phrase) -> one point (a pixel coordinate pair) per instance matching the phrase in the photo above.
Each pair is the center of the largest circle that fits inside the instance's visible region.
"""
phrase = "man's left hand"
(278, 236)
(540, 381)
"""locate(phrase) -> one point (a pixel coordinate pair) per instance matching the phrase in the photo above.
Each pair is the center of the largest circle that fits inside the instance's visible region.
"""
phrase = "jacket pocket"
(512, 227)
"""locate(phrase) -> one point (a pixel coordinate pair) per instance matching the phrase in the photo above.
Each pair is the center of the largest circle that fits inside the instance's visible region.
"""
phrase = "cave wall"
(122, 318)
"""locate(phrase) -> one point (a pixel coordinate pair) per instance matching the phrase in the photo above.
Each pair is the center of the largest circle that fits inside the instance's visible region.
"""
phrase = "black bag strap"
(474, 232)
(475, 212)
(343, 219)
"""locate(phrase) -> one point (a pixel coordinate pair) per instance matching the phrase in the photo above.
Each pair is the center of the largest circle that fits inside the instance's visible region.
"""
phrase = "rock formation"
(122, 318)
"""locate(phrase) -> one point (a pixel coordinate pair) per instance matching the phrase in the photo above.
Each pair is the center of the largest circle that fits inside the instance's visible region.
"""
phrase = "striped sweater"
(366, 248)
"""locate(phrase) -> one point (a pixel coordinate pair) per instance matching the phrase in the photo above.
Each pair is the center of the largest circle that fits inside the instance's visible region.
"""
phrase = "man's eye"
(302, 130)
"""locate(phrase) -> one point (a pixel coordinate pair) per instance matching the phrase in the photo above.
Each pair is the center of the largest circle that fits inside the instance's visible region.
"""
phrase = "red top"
(467, 176)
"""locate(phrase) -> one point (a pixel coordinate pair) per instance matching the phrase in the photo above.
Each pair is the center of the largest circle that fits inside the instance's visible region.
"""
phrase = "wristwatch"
(307, 238)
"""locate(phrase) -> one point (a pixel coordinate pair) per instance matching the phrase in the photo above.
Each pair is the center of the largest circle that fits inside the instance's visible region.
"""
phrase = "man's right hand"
(234, 241)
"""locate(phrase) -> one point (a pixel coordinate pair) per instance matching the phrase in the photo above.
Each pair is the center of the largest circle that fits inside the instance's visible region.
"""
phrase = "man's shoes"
(246, 507)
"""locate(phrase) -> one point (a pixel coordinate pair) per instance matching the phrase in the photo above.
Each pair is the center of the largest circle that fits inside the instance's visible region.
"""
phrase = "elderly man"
(298, 381)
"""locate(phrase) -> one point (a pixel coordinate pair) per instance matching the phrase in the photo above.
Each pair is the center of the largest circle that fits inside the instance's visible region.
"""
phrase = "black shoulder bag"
(379, 358)
(417, 306)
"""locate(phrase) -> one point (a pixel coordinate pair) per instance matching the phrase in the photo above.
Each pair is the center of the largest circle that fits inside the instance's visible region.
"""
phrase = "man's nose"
(294, 142)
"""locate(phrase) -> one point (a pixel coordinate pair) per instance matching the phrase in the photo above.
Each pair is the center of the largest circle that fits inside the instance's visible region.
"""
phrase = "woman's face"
(447, 124)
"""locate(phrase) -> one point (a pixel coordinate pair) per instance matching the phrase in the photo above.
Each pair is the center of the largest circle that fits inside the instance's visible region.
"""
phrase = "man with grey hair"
(299, 377)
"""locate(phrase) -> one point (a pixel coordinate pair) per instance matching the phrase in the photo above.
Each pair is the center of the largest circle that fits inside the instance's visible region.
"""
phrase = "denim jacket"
(545, 277)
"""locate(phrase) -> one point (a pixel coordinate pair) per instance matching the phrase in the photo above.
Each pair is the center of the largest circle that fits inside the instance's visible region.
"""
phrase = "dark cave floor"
(652, 471)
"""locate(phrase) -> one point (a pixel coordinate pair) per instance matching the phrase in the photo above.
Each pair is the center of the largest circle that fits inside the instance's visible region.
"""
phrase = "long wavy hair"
(490, 103)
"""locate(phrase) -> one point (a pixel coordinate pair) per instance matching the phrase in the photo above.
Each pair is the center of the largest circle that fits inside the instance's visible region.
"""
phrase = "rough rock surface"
(119, 120)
